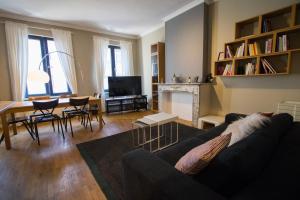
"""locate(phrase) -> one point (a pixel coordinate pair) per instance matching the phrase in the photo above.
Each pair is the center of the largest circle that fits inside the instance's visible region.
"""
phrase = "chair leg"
(103, 121)
(27, 126)
(89, 119)
(65, 121)
(53, 126)
(70, 120)
(2, 138)
(58, 126)
(37, 133)
(62, 130)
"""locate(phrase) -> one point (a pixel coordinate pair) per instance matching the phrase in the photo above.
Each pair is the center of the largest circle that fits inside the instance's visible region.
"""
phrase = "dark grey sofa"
(265, 165)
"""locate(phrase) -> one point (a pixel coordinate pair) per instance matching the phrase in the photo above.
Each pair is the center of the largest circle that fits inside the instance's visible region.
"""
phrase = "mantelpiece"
(199, 105)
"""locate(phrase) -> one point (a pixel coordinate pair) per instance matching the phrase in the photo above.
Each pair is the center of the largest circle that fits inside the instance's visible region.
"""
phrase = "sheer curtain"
(63, 42)
(100, 63)
(126, 58)
(17, 50)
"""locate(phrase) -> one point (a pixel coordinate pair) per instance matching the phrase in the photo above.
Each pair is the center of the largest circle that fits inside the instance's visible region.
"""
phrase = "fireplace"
(188, 100)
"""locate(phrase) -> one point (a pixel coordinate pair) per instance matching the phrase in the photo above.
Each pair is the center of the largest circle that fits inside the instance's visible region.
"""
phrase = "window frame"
(46, 62)
(113, 60)
(112, 49)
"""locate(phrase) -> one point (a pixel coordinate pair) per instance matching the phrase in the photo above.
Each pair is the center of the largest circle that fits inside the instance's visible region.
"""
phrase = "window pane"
(58, 79)
(34, 58)
(108, 70)
(118, 63)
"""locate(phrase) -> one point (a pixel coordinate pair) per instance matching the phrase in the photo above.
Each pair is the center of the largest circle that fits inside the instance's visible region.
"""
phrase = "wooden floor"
(55, 170)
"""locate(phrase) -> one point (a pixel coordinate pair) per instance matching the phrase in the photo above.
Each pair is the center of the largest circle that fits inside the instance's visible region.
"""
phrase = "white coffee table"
(159, 122)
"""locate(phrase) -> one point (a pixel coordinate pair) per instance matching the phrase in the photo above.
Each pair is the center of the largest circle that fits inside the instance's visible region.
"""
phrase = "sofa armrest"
(147, 177)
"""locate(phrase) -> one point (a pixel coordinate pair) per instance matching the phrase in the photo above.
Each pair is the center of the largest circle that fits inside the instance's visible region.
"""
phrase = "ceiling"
(133, 17)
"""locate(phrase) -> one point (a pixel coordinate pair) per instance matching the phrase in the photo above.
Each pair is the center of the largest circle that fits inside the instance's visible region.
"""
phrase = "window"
(38, 47)
(113, 66)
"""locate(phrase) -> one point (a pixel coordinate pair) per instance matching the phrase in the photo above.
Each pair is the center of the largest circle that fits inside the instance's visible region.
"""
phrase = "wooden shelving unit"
(256, 31)
(157, 70)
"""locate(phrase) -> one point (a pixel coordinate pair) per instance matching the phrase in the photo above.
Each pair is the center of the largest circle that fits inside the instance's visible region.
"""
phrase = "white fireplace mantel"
(200, 97)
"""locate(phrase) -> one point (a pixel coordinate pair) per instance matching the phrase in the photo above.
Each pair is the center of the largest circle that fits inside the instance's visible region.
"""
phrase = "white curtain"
(126, 58)
(100, 63)
(17, 50)
(63, 42)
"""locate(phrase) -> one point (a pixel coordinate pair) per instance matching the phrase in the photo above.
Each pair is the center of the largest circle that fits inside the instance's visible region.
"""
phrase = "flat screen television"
(124, 86)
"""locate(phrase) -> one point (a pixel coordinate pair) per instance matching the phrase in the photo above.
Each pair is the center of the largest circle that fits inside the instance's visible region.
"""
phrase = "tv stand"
(126, 103)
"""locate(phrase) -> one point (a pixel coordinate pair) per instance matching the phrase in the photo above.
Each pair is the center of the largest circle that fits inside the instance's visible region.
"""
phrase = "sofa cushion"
(280, 179)
(199, 157)
(174, 153)
(244, 161)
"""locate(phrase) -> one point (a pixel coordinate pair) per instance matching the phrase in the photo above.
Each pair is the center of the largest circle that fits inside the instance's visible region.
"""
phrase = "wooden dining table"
(13, 107)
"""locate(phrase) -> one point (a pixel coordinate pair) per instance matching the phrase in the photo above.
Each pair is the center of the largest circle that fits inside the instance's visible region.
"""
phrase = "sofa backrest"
(243, 162)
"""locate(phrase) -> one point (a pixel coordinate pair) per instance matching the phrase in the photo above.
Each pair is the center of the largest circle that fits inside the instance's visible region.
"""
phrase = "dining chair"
(46, 109)
(79, 110)
(94, 109)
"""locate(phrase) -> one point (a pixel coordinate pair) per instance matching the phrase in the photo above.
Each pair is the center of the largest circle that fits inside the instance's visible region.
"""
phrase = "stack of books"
(228, 70)
(240, 51)
(282, 43)
(254, 49)
(268, 46)
(268, 68)
(228, 53)
(250, 69)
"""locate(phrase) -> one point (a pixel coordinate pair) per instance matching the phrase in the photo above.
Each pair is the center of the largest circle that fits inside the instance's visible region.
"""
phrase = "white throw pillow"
(244, 127)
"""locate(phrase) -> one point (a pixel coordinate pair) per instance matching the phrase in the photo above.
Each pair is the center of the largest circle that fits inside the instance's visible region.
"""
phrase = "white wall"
(144, 45)
(248, 94)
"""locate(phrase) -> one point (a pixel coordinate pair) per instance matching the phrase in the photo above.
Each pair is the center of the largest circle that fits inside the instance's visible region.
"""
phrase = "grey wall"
(186, 44)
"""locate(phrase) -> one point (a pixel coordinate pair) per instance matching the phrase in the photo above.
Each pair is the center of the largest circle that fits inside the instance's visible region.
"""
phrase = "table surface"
(4, 105)
(15, 105)
(159, 118)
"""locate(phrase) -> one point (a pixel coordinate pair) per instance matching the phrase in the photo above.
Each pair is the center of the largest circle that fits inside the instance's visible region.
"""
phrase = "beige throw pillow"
(199, 157)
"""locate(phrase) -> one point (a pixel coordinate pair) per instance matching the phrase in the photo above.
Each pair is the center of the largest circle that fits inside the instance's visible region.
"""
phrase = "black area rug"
(103, 157)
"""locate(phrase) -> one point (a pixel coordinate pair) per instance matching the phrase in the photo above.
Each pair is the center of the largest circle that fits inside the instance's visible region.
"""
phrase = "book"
(284, 43)
(268, 67)
(228, 70)
(228, 52)
(257, 48)
(280, 47)
(268, 46)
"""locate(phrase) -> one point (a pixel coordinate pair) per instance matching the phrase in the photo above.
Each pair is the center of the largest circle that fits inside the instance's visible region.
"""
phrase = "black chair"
(79, 110)
(25, 121)
(46, 109)
(94, 109)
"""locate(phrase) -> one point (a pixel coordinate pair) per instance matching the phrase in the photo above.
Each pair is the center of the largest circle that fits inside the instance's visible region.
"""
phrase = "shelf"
(278, 19)
(247, 28)
(253, 75)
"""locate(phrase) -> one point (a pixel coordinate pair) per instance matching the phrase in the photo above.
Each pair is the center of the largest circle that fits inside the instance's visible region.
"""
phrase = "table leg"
(14, 124)
(100, 113)
(5, 131)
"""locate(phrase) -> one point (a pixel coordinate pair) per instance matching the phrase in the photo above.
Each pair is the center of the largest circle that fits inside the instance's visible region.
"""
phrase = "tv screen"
(124, 86)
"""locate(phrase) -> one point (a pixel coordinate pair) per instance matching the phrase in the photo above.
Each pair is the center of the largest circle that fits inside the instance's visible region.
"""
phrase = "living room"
(170, 99)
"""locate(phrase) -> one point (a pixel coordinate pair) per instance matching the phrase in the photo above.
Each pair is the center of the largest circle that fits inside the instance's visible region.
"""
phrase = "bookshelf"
(157, 70)
(269, 41)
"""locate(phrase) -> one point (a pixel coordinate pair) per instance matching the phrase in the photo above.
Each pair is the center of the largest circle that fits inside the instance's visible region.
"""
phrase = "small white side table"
(212, 120)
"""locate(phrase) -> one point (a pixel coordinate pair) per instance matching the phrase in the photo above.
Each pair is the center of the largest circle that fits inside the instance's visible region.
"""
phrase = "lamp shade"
(38, 76)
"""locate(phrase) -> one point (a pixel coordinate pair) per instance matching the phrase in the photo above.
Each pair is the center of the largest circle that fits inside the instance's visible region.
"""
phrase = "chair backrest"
(45, 107)
(79, 103)
(97, 95)
(33, 98)
(68, 95)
